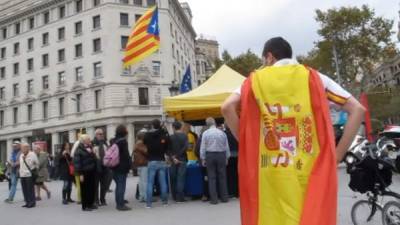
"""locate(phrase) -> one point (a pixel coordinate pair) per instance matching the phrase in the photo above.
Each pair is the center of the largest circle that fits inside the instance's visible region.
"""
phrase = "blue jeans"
(153, 168)
(142, 182)
(178, 177)
(13, 188)
(120, 181)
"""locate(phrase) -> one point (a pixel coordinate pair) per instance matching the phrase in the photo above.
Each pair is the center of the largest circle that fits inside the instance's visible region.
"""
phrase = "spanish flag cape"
(287, 160)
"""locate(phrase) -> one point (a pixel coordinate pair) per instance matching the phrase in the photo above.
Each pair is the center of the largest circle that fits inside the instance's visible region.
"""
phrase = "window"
(15, 115)
(61, 106)
(45, 39)
(78, 100)
(30, 112)
(46, 17)
(45, 110)
(124, 41)
(61, 55)
(30, 64)
(3, 53)
(16, 68)
(97, 99)
(171, 29)
(30, 44)
(79, 73)
(173, 51)
(143, 96)
(2, 72)
(97, 69)
(138, 2)
(4, 32)
(78, 50)
(16, 48)
(61, 12)
(61, 78)
(45, 82)
(96, 3)
(96, 22)
(2, 93)
(45, 60)
(124, 19)
(78, 27)
(31, 23)
(29, 86)
(16, 90)
(156, 67)
(151, 2)
(61, 33)
(124, 1)
(96, 45)
(17, 28)
(78, 6)
(137, 17)
(1, 118)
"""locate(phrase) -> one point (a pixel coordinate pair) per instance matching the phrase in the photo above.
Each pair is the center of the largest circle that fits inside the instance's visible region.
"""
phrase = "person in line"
(179, 145)
(192, 139)
(76, 176)
(286, 144)
(140, 162)
(43, 173)
(232, 168)
(157, 143)
(104, 174)
(120, 172)
(214, 153)
(85, 167)
(66, 173)
(206, 195)
(13, 165)
(29, 164)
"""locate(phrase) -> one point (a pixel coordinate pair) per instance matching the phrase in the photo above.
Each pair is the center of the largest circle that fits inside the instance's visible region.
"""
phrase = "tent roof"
(205, 100)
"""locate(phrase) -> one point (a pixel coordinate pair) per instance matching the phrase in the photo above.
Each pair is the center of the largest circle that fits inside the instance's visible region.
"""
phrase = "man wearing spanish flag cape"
(287, 155)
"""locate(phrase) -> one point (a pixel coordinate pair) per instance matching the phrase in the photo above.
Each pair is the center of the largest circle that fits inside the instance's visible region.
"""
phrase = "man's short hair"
(210, 122)
(278, 47)
(156, 123)
(177, 125)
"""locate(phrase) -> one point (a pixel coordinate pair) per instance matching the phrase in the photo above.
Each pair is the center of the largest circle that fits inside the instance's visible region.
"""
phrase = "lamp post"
(174, 88)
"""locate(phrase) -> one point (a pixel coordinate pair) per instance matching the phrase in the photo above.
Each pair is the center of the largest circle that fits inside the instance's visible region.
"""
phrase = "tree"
(244, 63)
(361, 39)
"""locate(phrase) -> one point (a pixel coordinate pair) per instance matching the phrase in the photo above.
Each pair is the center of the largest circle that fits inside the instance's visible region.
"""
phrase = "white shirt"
(32, 161)
(214, 140)
(335, 92)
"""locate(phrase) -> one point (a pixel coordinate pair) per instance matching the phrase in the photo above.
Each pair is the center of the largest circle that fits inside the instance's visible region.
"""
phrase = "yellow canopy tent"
(205, 100)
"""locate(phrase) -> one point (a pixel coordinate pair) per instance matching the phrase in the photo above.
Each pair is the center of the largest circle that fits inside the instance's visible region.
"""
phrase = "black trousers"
(233, 180)
(88, 189)
(103, 182)
(28, 190)
(216, 170)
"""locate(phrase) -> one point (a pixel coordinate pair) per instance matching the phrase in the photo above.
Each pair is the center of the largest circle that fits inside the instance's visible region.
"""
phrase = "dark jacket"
(179, 145)
(157, 142)
(124, 158)
(63, 168)
(84, 161)
(100, 148)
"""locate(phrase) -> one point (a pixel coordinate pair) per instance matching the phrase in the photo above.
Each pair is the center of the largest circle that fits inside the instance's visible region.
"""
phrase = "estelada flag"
(287, 159)
(145, 38)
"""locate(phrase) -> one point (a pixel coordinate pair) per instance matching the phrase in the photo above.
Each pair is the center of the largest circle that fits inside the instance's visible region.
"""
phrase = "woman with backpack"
(121, 170)
(66, 172)
(85, 168)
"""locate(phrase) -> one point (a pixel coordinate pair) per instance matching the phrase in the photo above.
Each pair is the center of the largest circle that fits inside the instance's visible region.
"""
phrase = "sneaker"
(24, 206)
(93, 207)
(124, 208)
(38, 198)
(8, 200)
(103, 203)
(65, 202)
(148, 207)
(126, 202)
(70, 200)
(48, 195)
(87, 209)
(165, 204)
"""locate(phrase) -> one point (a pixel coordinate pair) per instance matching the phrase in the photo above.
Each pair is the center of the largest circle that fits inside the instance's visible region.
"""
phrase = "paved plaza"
(51, 212)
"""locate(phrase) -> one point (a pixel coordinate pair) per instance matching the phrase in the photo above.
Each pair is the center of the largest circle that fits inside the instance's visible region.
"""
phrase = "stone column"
(72, 136)
(90, 132)
(131, 136)
(54, 142)
(9, 148)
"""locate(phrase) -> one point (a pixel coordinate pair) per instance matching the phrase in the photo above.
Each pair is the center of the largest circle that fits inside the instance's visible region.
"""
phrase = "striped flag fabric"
(144, 39)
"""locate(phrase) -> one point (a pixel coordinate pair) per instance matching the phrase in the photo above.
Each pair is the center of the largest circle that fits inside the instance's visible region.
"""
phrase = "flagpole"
(161, 65)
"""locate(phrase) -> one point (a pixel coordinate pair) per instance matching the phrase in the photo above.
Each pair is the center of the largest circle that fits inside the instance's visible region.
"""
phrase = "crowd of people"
(159, 158)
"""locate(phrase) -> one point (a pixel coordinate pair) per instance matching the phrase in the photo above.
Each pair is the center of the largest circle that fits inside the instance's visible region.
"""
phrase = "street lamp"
(174, 88)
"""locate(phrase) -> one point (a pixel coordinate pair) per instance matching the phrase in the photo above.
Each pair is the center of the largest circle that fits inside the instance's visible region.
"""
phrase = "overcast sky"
(238, 25)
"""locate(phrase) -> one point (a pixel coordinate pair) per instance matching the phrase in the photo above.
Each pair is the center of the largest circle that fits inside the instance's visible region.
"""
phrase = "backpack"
(111, 156)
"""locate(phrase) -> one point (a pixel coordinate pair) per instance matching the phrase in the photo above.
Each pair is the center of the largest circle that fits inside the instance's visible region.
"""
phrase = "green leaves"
(244, 63)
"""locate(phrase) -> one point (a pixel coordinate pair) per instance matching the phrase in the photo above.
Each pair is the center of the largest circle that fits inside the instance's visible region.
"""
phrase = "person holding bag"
(66, 171)
(28, 173)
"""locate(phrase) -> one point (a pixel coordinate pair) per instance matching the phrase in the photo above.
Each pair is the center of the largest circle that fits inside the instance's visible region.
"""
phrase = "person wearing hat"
(13, 164)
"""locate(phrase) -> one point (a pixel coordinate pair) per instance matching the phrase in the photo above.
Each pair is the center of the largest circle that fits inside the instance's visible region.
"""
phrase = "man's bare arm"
(356, 114)
(230, 111)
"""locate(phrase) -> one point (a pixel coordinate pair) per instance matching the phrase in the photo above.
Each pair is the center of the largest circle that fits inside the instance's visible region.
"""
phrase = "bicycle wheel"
(391, 213)
(361, 213)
